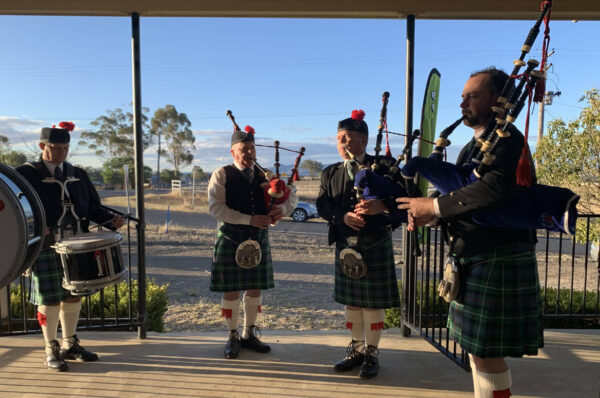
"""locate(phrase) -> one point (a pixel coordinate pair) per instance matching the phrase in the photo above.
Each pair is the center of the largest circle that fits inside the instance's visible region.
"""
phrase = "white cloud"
(20, 130)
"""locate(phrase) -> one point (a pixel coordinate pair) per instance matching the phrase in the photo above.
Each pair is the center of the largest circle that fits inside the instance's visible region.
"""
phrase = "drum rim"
(22, 231)
(80, 288)
(73, 245)
(39, 215)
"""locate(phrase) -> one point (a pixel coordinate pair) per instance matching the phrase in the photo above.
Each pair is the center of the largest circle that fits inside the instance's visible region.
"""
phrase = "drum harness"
(69, 223)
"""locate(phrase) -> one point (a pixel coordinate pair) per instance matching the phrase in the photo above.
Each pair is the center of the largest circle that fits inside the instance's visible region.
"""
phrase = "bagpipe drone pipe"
(370, 183)
(275, 190)
(535, 207)
(531, 206)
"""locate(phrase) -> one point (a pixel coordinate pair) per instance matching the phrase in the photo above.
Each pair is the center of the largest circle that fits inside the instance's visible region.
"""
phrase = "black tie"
(248, 174)
(58, 174)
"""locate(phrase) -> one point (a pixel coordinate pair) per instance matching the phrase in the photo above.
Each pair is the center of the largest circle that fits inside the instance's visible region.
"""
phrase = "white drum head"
(88, 241)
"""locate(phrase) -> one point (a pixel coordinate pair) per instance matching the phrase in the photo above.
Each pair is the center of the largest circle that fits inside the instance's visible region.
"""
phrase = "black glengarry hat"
(240, 136)
(355, 123)
(60, 135)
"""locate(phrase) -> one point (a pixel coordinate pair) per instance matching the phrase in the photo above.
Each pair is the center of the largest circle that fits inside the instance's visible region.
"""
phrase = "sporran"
(451, 286)
(352, 263)
(248, 254)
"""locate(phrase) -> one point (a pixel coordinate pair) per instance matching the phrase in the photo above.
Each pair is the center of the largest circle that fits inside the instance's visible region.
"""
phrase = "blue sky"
(291, 79)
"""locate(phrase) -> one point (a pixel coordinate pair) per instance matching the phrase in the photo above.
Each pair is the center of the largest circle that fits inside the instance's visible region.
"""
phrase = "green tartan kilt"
(378, 288)
(501, 312)
(46, 279)
(226, 275)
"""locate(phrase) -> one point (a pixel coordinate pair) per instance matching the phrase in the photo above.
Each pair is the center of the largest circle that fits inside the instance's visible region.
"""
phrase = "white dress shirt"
(217, 205)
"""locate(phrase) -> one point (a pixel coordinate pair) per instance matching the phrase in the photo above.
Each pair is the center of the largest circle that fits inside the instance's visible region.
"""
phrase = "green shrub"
(564, 301)
(156, 303)
(16, 311)
(431, 304)
(393, 316)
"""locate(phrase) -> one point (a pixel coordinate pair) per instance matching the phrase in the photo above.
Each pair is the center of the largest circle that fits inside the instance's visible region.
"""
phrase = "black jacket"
(337, 197)
(83, 194)
(496, 186)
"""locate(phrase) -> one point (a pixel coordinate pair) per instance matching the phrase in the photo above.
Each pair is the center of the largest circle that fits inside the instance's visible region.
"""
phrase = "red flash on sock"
(41, 318)
(226, 313)
(377, 326)
(503, 393)
(349, 325)
(260, 309)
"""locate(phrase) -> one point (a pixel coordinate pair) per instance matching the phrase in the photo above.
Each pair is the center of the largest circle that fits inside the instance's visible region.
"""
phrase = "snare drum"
(91, 261)
(22, 225)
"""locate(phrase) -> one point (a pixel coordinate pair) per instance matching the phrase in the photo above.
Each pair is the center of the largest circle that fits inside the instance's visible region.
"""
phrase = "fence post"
(176, 186)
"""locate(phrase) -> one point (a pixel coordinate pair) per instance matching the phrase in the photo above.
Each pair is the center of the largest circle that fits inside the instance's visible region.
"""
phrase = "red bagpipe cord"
(41, 318)
(349, 325)
(226, 313)
(377, 326)
(388, 151)
(524, 166)
(524, 174)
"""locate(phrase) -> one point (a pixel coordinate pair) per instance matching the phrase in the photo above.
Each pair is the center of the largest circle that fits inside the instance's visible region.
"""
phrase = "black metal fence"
(569, 275)
(111, 308)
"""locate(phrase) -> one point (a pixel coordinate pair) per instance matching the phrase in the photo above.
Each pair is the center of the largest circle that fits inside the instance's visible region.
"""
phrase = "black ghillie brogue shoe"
(252, 342)
(370, 366)
(77, 352)
(232, 347)
(54, 361)
(354, 358)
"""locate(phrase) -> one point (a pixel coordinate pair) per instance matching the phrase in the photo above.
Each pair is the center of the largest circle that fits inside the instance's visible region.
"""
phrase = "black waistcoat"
(242, 195)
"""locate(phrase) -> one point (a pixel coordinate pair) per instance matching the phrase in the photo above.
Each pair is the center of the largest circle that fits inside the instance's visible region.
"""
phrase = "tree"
(313, 167)
(8, 156)
(113, 173)
(175, 128)
(169, 175)
(569, 156)
(94, 173)
(114, 137)
(198, 173)
(4, 144)
(14, 158)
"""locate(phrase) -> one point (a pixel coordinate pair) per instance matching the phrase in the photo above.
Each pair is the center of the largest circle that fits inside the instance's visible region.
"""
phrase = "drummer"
(53, 301)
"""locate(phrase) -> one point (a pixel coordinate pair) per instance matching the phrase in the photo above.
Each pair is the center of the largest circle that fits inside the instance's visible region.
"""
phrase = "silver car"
(304, 211)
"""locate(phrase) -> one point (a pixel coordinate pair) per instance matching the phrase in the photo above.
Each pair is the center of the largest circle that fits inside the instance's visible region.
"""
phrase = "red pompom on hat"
(358, 114)
(249, 130)
(69, 126)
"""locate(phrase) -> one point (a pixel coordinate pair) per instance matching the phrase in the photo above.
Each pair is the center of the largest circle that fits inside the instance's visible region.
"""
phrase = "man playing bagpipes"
(365, 275)
(47, 292)
(242, 255)
(498, 312)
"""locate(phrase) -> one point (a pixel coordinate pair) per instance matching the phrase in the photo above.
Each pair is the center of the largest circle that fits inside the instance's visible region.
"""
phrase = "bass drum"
(22, 225)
